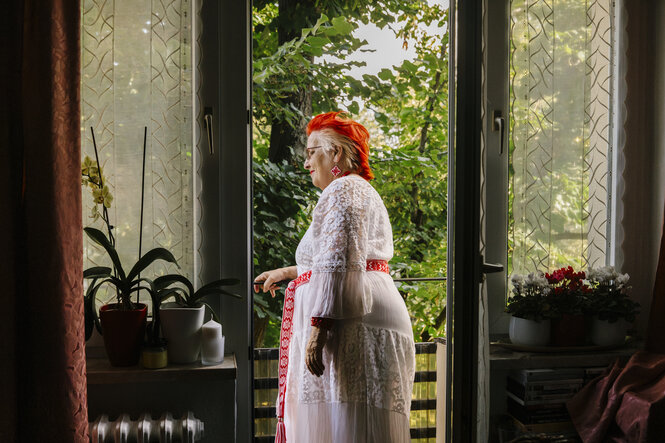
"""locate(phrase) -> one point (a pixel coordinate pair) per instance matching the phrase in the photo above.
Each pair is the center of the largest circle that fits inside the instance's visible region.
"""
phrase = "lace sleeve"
(339, 246)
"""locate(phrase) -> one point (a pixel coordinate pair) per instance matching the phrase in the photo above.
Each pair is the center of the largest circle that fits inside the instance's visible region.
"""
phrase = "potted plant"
(610, 306)
(568, 298)
(123, 323)
(181, 320)
(530, 309)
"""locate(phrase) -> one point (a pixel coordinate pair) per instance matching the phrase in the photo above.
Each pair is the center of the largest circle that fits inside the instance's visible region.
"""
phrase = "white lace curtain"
(136, 71)
(561, 84)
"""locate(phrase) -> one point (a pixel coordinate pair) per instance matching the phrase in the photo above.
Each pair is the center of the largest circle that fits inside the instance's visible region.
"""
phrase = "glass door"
(465, 262)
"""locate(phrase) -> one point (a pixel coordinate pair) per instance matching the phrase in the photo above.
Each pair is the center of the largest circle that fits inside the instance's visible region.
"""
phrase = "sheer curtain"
(136, 71)
(561, 133)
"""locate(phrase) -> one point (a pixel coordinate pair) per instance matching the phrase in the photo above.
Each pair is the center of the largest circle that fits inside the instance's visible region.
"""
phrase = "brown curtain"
(43, 376)
(656, 330)
(627, 404)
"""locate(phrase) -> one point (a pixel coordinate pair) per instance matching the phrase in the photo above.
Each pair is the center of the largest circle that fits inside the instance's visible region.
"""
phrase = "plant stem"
(105, 215)
(145, 136)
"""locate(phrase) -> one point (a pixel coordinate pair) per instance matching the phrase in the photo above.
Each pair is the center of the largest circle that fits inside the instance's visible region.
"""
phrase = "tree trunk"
(294, 15)
(260, 326)
(283, 136)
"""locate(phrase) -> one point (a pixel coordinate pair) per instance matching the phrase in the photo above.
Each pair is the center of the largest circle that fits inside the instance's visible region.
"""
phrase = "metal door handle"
(207, 121)
(499, 124)
(489, 268)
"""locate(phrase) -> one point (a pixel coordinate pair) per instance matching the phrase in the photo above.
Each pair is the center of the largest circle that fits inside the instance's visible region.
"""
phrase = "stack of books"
(537, 398)
(592, 373)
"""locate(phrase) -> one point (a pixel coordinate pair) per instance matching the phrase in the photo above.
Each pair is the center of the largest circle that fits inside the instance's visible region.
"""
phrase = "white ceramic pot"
(604, 333)
(181, 327)
(529, 332)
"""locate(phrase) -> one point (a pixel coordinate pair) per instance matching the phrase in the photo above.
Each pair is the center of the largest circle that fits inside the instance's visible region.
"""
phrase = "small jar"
(212, 343)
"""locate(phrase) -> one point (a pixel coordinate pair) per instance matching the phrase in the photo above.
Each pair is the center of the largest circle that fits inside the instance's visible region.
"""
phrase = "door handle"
(499, 124)
(489, 268)
(207, 122)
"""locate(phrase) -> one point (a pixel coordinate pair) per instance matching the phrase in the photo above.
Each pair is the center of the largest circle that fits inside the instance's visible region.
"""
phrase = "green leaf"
(221, 282)
(179, 294)
(216, 288)
(386, 74)
(318, 42)
(341, 25)
(98, 237)
(212, 311)
(168, 279)
(149, 258)
(97, 272)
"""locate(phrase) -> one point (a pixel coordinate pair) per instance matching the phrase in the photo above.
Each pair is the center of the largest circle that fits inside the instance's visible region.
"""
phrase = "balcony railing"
(423, 401)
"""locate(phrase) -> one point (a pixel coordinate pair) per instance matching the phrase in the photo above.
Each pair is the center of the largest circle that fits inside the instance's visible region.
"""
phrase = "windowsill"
(100, 372)
(502, 358)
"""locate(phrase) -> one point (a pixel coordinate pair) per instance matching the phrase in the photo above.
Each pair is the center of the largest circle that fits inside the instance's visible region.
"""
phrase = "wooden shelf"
(100, 372)
(501, 358)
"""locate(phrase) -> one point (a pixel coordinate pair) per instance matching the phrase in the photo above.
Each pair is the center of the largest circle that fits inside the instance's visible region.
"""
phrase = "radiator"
(187, 429)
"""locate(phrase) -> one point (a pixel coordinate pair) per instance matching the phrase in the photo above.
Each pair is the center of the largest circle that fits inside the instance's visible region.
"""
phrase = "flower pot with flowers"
(569, 300)
(530, 309)
(611, 309)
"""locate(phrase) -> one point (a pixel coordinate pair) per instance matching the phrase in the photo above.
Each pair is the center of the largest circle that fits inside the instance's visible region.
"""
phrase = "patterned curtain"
(561, 67)
(43, 389)
(137, 72)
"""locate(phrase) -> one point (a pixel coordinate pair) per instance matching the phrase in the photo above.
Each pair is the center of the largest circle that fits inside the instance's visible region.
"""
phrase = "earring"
(336, 171)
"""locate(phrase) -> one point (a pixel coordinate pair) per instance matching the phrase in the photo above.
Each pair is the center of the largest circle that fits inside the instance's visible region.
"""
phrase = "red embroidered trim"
(285, 336)
(378, 265)
(323, 322)
(287, 326)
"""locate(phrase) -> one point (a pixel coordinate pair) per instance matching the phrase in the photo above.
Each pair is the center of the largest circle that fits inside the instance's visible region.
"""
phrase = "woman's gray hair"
(330, 139)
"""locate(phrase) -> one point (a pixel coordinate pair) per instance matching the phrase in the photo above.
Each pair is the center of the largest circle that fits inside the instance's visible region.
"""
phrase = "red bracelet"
(322, 322)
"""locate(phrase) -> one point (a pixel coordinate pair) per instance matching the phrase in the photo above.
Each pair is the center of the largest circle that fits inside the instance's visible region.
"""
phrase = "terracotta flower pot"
(569, 330)
(123, 333)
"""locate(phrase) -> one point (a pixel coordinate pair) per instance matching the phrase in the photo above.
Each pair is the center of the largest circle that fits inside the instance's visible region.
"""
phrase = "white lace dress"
(364, 394)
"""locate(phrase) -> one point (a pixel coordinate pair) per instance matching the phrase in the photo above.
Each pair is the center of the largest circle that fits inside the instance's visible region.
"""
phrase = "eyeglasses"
(310, 151)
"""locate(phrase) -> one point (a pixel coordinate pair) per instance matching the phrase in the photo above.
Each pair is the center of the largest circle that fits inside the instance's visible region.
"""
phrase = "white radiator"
(187, 429)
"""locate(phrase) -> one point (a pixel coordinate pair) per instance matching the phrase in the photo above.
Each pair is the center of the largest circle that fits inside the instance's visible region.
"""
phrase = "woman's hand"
(270, 278)
(314, 352)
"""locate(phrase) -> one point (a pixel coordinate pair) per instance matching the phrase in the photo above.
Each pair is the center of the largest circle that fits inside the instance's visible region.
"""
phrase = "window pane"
(136, 72)
(560, 71)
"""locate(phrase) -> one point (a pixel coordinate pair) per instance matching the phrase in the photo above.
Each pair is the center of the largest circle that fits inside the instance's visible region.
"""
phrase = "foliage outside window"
(302, 58)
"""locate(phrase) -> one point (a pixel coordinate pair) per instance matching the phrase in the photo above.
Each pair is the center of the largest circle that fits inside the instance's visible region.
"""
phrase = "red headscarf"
(338, 122)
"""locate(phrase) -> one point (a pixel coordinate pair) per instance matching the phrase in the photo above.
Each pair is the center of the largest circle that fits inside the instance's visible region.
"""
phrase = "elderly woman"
(347, 356)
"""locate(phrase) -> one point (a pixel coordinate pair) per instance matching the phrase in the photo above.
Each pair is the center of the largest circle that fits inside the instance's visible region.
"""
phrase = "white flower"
(622, 279)
(516, 279)
(603, 275)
